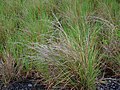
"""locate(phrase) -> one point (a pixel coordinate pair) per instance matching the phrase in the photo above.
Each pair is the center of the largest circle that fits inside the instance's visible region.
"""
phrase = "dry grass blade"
(9, 69)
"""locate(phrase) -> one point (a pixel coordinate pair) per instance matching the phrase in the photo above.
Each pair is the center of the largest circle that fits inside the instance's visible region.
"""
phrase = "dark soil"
(28, 85)
(23, 85)
(104, 84)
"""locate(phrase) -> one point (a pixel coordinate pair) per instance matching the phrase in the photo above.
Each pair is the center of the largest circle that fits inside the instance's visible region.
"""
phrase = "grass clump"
(65, 41)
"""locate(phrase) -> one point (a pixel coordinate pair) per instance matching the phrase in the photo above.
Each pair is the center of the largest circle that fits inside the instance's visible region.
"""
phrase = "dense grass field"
(69, 43)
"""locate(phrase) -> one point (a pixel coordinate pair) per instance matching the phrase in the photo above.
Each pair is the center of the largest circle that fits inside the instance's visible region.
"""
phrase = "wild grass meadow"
(69, 43)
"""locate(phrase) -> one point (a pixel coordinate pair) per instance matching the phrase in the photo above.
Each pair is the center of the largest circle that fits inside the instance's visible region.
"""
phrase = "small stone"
(29, 85)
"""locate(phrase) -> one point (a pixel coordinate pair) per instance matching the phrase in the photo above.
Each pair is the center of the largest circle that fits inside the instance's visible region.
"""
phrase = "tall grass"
(64, 40)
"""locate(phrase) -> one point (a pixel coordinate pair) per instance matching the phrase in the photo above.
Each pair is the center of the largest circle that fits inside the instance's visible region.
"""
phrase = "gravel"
(24, 85)
(109, 84)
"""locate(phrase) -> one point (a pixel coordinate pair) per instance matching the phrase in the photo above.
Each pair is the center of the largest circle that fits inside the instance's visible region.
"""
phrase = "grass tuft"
(65, 41)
